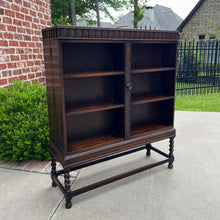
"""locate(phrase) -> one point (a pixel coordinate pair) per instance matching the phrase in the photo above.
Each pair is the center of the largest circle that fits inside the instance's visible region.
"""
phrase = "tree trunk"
(73, 13)
(97, 13)
(135, 13)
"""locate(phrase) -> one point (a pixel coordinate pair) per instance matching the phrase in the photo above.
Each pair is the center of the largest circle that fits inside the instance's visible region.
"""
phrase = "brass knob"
(129, 86)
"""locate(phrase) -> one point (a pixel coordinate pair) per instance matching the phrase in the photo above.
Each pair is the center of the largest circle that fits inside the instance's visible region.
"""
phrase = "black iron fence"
(198, 68)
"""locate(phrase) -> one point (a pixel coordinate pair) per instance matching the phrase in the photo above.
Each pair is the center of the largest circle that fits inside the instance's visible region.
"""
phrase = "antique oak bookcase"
(110, 93)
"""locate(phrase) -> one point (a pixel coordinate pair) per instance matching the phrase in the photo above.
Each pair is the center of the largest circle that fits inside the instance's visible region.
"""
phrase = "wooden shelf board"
(142, 100)
(150, 70)
(92, 74)
(94, 142)
(93, 108)
(147, 129)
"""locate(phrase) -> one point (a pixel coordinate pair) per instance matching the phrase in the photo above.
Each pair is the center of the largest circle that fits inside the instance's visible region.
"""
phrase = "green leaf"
(23, 122)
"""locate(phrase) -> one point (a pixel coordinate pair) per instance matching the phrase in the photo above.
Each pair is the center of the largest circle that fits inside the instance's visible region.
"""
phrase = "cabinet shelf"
(142, 100)
(92, 74)
(93, 108)
(147, 129)
(150, 70)
(92, 143)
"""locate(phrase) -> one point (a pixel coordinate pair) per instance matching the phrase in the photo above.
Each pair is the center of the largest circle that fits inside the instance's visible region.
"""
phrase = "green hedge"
(24, 129)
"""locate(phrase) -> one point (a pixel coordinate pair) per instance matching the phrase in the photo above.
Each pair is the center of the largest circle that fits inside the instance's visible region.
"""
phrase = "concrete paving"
(189, 191)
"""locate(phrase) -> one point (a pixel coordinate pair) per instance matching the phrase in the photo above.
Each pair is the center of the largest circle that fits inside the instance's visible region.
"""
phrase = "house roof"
(103, 24)
(158, 17)
(181, 26)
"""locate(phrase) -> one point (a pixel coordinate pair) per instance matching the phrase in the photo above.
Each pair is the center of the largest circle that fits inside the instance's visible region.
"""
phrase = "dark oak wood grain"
(142, 100)
(93, 142)
(147, 129)
(92, 108)
(151, 70)
(110, 92)
(92, 74)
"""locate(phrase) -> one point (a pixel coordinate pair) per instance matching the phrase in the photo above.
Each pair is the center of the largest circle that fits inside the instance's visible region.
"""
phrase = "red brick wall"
(21, 47)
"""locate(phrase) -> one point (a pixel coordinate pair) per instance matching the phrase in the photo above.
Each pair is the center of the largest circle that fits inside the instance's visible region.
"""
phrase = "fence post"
(215, 62)
(197, 68)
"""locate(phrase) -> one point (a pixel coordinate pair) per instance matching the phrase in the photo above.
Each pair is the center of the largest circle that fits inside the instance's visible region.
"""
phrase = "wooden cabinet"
(110, 92)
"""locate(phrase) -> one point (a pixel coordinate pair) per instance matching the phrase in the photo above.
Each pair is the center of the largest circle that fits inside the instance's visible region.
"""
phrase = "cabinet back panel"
(144, 114)
(119, 121)
(152, 113)
(94, 124)
(167, 112)
(96, 90)
(146, 85)
(168, 83)
(153, 84)
(89, 57)
(153, 55)
(169, 55)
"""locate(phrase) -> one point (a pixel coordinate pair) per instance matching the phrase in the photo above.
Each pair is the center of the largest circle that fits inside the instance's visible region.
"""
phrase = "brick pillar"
(21, 47)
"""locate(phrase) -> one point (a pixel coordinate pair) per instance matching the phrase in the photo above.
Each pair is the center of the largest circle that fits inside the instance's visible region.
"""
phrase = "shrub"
(24, 130)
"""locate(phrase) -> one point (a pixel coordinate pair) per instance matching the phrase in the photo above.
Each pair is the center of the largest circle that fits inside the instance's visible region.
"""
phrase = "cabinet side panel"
(175, 73)
(49, 84)
(54, 93)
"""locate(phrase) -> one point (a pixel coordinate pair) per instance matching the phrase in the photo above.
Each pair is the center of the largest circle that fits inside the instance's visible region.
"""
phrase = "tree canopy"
(87, 10)
(137, 7)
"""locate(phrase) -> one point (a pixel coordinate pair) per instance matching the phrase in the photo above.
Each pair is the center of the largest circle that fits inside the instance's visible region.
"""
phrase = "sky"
(180, 7)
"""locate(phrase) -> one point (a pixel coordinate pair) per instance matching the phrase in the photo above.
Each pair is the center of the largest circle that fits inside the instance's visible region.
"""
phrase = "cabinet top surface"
(77, 32)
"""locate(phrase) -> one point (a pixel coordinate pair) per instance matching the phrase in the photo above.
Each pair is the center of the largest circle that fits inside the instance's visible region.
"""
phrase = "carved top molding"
(77, 32)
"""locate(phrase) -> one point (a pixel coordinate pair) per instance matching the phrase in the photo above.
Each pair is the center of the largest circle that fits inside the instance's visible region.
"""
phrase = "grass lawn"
(202, 103)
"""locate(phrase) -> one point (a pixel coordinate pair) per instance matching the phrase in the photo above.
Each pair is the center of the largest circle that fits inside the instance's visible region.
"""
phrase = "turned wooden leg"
(148, 147)
(67, 181)
(67, 189)
(53, 169)
(171, 156)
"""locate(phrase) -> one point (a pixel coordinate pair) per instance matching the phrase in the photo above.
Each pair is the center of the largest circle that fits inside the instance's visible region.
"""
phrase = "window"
(202, 37)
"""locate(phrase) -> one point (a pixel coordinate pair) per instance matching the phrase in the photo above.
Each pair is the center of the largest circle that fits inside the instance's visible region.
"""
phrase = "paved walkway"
(35, 166)
(190, 191)
(31, 166)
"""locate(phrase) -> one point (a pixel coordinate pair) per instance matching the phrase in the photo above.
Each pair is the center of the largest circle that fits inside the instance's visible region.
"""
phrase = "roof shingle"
(158, 17)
